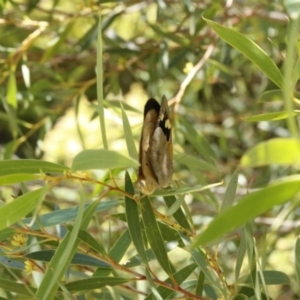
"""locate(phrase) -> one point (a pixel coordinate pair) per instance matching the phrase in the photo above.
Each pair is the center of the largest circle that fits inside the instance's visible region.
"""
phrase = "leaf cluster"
(77, 224)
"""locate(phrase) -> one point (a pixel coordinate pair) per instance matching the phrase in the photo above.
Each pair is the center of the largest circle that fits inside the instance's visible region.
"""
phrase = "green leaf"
(85, 237)
(29, 166)
(136, 260)
(273, 116)
(211, 276)
(15, 178)
(120, 247)
(154, 235)
(133, 220)
(10, 263)
(14, 211)
(185, 190)
(65, 252)
(175, 206)
(6, 233)
(93, 283)
(18, 288)
(78, 259)
(250, 50)
(117, 252)
(99, 73)
(240, 255)
(230, 191)
(252, 259)
(66, 215)
(270, 277)
(249, 207)
(280, 151)
(128, 136)
(12, 90)
(178, 215)
(200, 284)
(152, 286)
(101, 159)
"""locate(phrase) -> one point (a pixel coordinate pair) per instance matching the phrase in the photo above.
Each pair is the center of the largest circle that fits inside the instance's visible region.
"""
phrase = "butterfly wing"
(155, 155)
(147, 181)
(161, 154)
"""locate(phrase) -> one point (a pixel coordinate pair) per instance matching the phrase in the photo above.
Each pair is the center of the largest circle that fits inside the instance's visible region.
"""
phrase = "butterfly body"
(156, 168)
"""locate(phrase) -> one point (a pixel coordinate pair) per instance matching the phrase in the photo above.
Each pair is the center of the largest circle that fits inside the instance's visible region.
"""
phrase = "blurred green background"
(48, 107)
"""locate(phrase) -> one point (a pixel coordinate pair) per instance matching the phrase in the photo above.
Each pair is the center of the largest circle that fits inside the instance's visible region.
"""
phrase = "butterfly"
(156, 151)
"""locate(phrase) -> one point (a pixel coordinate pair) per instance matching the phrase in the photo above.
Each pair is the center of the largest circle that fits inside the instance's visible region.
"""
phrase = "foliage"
(71, 217)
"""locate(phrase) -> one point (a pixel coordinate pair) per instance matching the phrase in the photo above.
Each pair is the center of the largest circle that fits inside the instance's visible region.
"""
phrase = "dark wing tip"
(151, 104)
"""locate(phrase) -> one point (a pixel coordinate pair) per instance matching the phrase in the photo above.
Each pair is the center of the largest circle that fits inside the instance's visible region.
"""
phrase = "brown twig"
(176, 100)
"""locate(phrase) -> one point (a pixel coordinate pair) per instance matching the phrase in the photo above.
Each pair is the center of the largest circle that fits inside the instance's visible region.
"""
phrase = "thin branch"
(191, 76)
